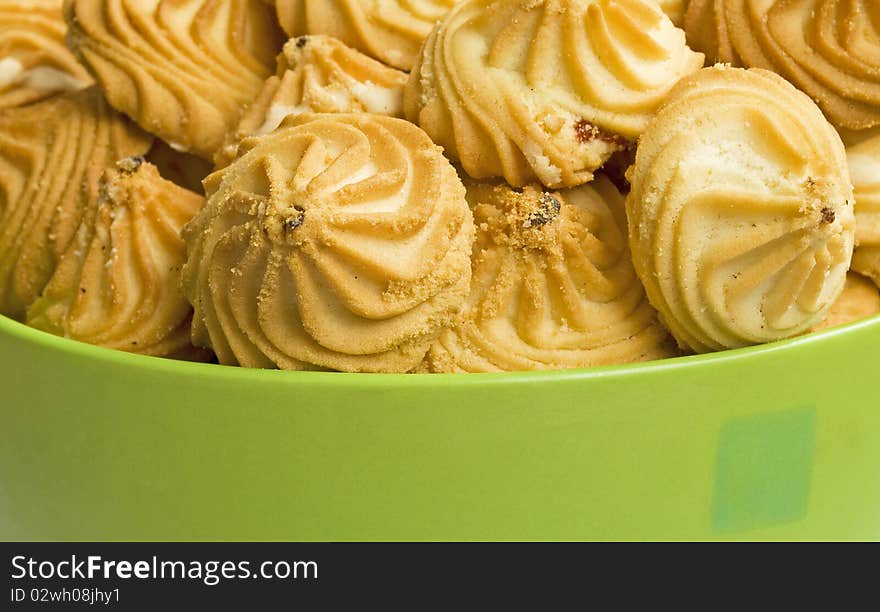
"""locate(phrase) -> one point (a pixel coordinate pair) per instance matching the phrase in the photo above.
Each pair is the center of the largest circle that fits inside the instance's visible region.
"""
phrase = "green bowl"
(774, 442)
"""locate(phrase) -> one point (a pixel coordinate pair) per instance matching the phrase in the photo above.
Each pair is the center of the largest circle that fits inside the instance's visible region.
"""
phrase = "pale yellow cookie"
(544, 90)
(741, 210)
(860, 299)
(335, 242)
(864, 169)
(389, 30)
(319, 74)
(34, 63)
(183, 69)
(674, 9)
(118, 287)
(553, 285)
(52, 154)
(830, 49)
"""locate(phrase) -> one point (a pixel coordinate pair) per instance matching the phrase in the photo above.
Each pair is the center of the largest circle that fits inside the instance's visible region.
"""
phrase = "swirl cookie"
(741, 210)
(829, 49)
(860, 299)
(544, 90)
(119, 286)
(674, 9)
(335, 242)
(864, 168)
(52, 154)
(34, 63)
(319, 74)
(183, 70)
(552, 287)
(389, 30)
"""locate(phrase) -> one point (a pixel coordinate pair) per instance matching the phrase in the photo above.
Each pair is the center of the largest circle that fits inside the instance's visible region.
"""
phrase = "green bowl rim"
(10, 327)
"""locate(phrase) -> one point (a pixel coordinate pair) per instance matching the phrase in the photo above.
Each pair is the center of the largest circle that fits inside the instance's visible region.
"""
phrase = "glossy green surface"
(780, 441)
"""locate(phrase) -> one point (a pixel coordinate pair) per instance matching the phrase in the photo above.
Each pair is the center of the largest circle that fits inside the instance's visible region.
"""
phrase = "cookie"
(319, 74)
(34, 63)
(118, 286)
(544, 90)
(52, 154)
(336, 242)
(860, 299)
(864, 168)
(553, 286)
(674, 9)
(389, 30)
(829, 49)
(741, 210)
(182, 71)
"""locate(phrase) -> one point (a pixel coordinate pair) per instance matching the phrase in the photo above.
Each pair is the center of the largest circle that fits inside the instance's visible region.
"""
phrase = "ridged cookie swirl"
(860, 299)
(864, 168)
(553, 285)
(389, 30)
(830, 49)
(183, 69)
(544, 90)
(319, 74)
(674, 9)
(335, 242)
(52, 154)
(120, 287)
(34, 63)
(741, 210)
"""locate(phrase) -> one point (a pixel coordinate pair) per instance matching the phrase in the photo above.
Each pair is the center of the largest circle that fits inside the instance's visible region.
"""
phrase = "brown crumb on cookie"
(827, 215)
(129, 165)
(586, 132)
(548, 210)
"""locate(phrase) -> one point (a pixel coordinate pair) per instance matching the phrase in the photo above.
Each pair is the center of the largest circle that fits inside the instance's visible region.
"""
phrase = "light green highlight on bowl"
(764, 468)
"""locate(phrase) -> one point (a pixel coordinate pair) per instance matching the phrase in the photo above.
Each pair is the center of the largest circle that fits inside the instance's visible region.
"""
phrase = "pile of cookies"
(439, 185)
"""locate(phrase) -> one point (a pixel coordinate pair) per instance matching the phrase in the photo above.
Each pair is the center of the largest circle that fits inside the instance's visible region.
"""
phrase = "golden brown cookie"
(864, 168)
(741, 210)
(860, 299)
(34, 63)
(182, 70)
(52, 154)
(335, 242)
(830, 49)
(389, 30)
(119, 286)
(553, 285)
(319, 74)
(544, 90)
